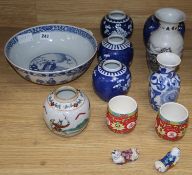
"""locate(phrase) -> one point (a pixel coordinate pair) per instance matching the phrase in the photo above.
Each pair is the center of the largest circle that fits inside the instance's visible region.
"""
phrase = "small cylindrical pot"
(116, 47)
(122, 114)
(111, 78)
(66, 111)
(164, 84)
(116, 21)
(172, 121)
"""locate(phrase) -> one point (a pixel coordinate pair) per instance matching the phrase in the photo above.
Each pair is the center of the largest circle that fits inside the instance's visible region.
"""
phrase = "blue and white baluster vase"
(116, 47)
(116, 21)
(111, 78)
(164, 84)
(166, 38)
(152, 24)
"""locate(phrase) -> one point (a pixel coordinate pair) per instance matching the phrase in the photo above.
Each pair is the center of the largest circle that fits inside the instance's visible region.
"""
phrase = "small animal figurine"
(122, 157)
(168, 161)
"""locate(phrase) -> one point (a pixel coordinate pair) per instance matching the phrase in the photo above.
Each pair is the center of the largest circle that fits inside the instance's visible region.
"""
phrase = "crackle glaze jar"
(116, 47)
(111, 78)
(116, 21)
(164, 84)
(152, 24)
(66, 111)
(166, 38)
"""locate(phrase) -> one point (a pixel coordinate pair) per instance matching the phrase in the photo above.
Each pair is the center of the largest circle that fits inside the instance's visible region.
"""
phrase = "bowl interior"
(49, 49)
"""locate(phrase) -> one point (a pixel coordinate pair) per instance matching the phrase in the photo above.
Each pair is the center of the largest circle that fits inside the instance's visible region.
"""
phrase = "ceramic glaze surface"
(111, 78)
(164, 84)
(122, 114)
(168, 161)
(53, 53)
(152, 24)
(171, 121)
(66, 111)
(116, 22)
(116, 47)
(166, 38)
(52, 62)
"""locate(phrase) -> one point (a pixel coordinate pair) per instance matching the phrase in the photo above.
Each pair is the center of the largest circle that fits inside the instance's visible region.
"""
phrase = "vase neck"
(165, 69)
(168, 26)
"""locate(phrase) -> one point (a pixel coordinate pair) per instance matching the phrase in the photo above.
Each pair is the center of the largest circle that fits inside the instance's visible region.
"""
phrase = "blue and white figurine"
(116, 47)
(116, 21)
(168, 161)
(111, 78)
(164, 84)
(152, 24)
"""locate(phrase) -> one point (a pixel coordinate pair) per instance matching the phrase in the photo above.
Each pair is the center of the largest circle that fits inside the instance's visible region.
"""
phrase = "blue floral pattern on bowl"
(62, 68)
(52, 62)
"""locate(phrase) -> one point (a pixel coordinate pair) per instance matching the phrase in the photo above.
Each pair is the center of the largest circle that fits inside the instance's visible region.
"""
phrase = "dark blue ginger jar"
(111, 78)
(116, 21)
(116, 47)
(164, 84)
(152, 24)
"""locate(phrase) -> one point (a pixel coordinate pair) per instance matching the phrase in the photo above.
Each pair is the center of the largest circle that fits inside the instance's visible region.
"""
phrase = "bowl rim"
(89, 32)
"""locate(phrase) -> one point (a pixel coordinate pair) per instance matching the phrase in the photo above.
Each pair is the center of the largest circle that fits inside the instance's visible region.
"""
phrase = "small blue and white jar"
(116, 21)
(111, 78)
(164, 84)
(116, 47)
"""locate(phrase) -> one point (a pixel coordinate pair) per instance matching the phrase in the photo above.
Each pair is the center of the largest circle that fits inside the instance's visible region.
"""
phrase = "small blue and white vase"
(111, 78)
(116, 47)
(164, 84)
(116, 21)
(152, 24)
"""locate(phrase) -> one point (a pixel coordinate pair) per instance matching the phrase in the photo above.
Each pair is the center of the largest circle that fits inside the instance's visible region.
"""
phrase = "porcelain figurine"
(116, 21)
(66, 111)
(164, 84)
(111, 78)
(116, 47)
(166, 38)
(122, 157)
(168, 161)
(152, 24)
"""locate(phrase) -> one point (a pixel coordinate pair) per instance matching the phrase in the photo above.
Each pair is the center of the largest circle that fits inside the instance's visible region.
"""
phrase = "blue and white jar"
(152, 24)
(116, 47)
(111, 78)
(164, 85)
(116, 21)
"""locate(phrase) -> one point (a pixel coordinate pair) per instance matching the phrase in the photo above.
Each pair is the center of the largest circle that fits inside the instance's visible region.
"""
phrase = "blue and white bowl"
(118, 22)
(111, 78)
(116, 47)
(51, 54)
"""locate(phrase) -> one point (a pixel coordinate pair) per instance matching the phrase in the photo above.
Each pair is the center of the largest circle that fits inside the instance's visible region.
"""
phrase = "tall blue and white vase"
(166, 38)
(152, 24)
(116, 47)
(164, 84)
(111, 78)
(116, 21)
